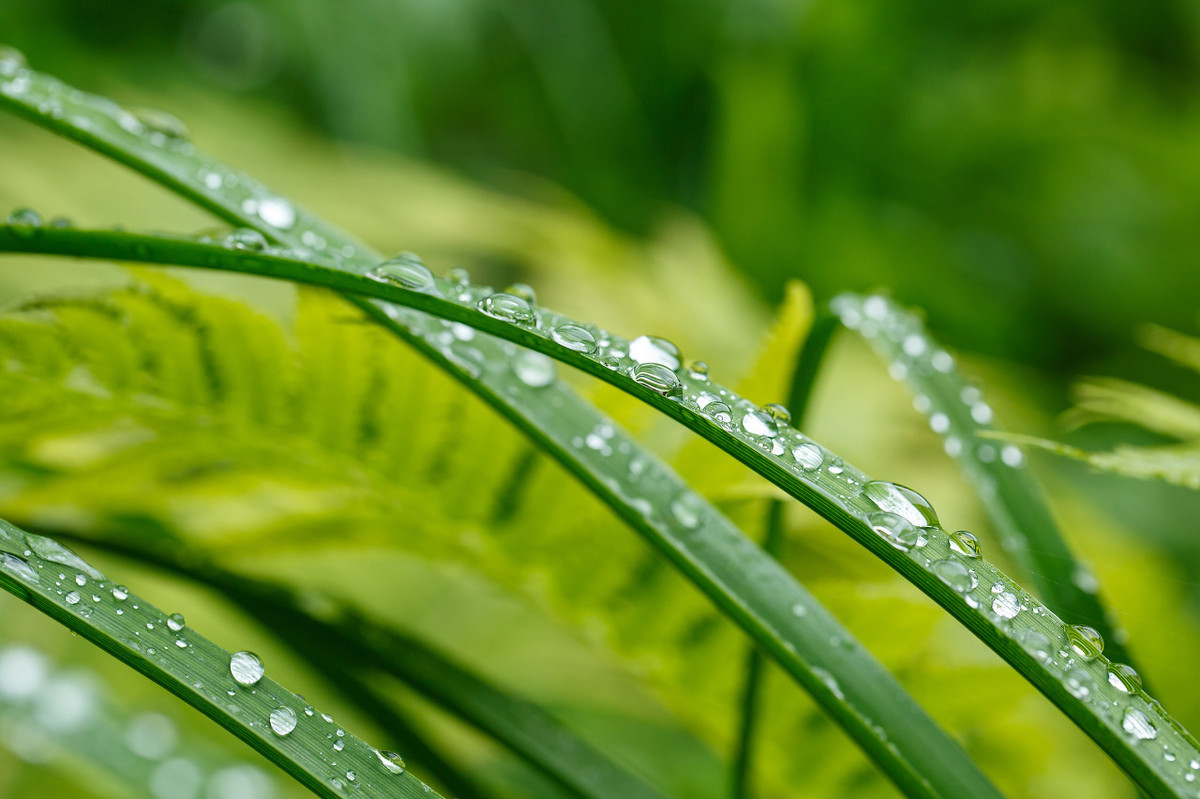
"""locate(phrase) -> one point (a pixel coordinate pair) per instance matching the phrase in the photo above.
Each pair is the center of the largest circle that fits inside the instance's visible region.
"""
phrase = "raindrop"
(1011, 455)
(391, 761)
(954, 574)
(652, 349)
(405, 270)
(246, 668)
(1086, 641)
(965, 543)
(524, 291)
(534, 369)
(914, 345)
(120, 593)
(759, 423)
(80, 580)
(350, 775)
(339, 745)
(902, 501)
(781, 415)
(1035, 643)
(1124, 678)
(164, 123)
(698, 370)
(939, 422)
(656, 377)
(26, 221)
(809, 456)
(176, 622)
(1006, 605)
(943, 361)
(720, 413)
(60, 223)
(688, 509)
(277, 212)
(574, 337)
(509, 308)
(72, 598)
(1079, 683)
(1137, 726)
(18, 566)
(283, 720)
(244, 238)
(896, 530)
(11, 61)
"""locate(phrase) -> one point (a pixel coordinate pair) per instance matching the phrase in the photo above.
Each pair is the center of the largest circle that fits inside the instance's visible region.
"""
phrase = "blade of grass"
(342, 642)
(857, 692)
(64, 587)
(1014, 623)
(1011, 496)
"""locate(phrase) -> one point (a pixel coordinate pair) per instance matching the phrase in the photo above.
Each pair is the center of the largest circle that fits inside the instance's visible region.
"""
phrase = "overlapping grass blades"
(275, 722)
(748, 586)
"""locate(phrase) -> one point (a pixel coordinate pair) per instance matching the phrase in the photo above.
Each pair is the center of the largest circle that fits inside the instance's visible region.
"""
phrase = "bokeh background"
(1027, 173)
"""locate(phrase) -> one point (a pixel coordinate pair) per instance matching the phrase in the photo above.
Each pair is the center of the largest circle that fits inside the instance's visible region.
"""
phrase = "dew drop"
(283, 720)
(1137, 726)
(656, 377)
(1086, 641)
(1006, 605)
(719, 412)
(534, 369)
(1124, 678)
(405, 270)
(339, 745)
(25, 221)
(80, 580)
(902, 501)
(244, 238)
(1011, 455)
(574, 337)
(277, 212)
(72, 598)
(964, 543)
(759, 423)
(12, 61)
(896, 530)
(1079, 683)
(391, 761)
(652, 349)
(14, 564)
(176, 622)
(164, 123)
(524, 291)
(120, 593)
(246, 668)
(809, 456)
(781, 415)
(688, 509)
(508, 307)
(954, 574)
(350, 775)
(1036, 643)
(698, 370)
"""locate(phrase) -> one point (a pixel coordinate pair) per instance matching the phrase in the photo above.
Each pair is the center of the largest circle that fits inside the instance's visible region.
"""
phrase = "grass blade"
(61, 585)
(1012, 498)
(1092, 691)
(857, 692)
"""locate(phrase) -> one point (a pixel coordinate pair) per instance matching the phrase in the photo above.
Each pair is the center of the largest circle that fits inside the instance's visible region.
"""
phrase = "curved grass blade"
(1102, 697)
(749, 587)
(253, 707)
(342, 642)
(1012, 498)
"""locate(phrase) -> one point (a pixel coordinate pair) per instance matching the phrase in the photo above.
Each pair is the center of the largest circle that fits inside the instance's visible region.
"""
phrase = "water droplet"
(277, 212)
(246, 668)
(719, 412)
(939, 422)
(759, 423)
(896, 530)
(688, 509)
(339, 745)
(509, 308)
(12, 61)
(244, 238)
(1124, 678)
(1086, 641)
(534, 369)
(656, 377)
(1137, 726)
(914, 346)
(652, 349)
(350, 775)
(1035, 642)
(903, 501)
(1079, 683)
(965, 543)
(1006, 605)
(942, 361)
(404, 270)
(164, 123)
(72, 598)
(954, 574)
(26, 221)
(391, 761)
(781, 415)
(176, 622)
(120, 593)
(524, 291)
(18, 566)
(51, 550)
(575, 337)
(1011, 455)
(80, 580)
(283, 720)
(981, 412)
(809, 456)
(698, 370)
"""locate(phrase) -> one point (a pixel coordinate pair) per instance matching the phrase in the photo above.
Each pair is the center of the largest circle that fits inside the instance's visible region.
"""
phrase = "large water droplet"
(524, 291)
(954, 574)
(18, 566)
(964, 543)
(759, 423)
(246, 668)
(72, 598)
(534, 369)
(404, 270)
(25, 221)
(244, 238)
(781, 415)
(1137, 726)
(809, 456)
(1086, 641)
(902, 501)
(719, 412)
(652, 349)
(277, 212)
(51, 550)
(176, 622)
(574, 337)
(896, 530)
(391, 761)
(656, 377)
(164, 123)
(1124, 678)
(1006, 605)
(283, 720)
(509, 308)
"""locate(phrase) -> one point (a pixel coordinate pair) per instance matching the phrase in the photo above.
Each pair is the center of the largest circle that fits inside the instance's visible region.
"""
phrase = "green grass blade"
(1012, 498)
(776, 611)
(61, 585)
(342, 642)
(1014, 623)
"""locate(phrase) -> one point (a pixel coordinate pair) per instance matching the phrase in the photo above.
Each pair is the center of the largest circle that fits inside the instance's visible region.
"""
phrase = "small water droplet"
(81, 580)
(1137, 726)
(1086, 641)
(896, 530)
(277, 212)
(25, 221)
(965, 543)
(698, 370)
(1124, 678)
(391, 761)
(781, 415)
(164, 123)
(657, 378)
(524, 291)
(18, 566)
(246, 668)
(719, 412)
(574, 337)
(12, 61)
(534, 369)
(1079, 683)
(244, 238)
(652, 349)
(1011, 455)
(1006, 605)
(350, 775)
(809, 456)
(759, 423)
(176, 622)
(339, 745)
(901, 500)
(405, 270)
(120, 593)
(1035, 642)
(688, 509)
(956, 575)
(72, 598)
(283, 720)
(509, 308)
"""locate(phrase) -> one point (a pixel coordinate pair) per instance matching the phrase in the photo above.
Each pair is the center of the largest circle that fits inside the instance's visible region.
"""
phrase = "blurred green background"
(1028, 173)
